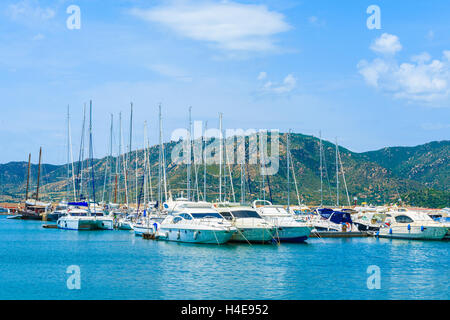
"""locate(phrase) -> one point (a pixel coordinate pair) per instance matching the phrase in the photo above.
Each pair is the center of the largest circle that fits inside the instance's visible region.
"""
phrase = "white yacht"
(194, 222)
(82, 219)
(405, 224)
(288, 229)
(251, 227)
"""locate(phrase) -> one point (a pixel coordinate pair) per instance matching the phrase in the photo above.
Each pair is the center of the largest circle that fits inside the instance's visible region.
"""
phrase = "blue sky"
(304, 65)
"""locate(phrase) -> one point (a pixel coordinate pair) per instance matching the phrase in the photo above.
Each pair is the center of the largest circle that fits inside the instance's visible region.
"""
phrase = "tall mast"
(321, 170)
(337, 174)
(288, 155)
(231, 176)
(131, 133)
(162, 172)
(204, 162)
(263, 149)
(81, 155)
(220, 156)
(136, 174)
(39, 174)
(70, 159)
(125, 170)
(111, 157)
(160, 161)
(295, 179)
(145, 165)
(189, 156)
(242, 165)
(91, 156)
(28, 177)
(343, 178)
(68, 153)
(147, 158)
(120, 152)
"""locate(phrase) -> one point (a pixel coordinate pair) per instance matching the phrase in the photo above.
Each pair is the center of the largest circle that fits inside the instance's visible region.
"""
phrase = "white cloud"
(29, 11)
(289, 83)
(386, 44)
(230, 26)
(420, 80)
(262, 75)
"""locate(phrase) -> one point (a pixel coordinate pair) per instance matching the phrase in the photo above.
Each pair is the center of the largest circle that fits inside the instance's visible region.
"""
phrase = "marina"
(119, 265)
(239, 151)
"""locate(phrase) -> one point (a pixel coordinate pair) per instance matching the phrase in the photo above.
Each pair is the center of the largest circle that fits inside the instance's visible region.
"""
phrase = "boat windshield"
(246, 214)
(208, 215)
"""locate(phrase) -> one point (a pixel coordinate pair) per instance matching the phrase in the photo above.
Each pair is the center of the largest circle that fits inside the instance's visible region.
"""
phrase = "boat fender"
(422, 229)
(409, 227)
(179, 235)
(155, 225)
(390, 231)
(349, 227)
(196, 235)
(378, 233)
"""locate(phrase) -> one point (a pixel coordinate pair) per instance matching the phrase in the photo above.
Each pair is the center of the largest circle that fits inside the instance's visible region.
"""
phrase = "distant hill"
(427, 164)
(376, 177)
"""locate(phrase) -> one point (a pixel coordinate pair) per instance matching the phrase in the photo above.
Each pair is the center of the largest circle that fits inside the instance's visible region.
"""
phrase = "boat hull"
(85, 224)
(253, 235)
(140, 230)
(415, 233)
(200, 236)
(292, 234)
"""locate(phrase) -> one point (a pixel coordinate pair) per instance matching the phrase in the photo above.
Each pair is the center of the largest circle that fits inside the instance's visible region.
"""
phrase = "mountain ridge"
(379, 176)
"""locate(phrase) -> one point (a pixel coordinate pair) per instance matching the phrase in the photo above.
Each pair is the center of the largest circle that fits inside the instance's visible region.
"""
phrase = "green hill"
(377, 177)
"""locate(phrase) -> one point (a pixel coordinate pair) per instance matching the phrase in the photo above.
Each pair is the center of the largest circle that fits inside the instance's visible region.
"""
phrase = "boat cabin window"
(214, 215)
(227, 215)
(403, 219)
(177, 219)
(246, 214)
(185, 216)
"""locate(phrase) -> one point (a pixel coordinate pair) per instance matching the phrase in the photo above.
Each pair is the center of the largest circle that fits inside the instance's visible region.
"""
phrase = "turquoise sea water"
(118, 265)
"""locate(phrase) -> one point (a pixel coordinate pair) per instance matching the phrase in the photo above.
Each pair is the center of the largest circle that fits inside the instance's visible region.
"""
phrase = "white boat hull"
(415, 233)
(195, 235)
(85, 223)
(139, 230)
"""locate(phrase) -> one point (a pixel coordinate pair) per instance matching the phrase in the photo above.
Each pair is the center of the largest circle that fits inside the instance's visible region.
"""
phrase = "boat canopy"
(78, 204)
(336, 216)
